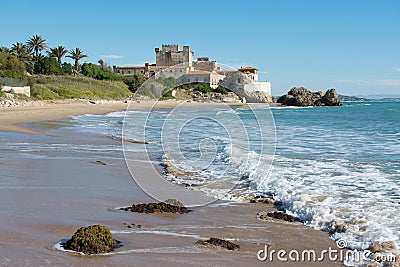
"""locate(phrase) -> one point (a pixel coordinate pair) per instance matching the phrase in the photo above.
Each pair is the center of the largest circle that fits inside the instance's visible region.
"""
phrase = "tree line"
(23, 58)
(35, 57)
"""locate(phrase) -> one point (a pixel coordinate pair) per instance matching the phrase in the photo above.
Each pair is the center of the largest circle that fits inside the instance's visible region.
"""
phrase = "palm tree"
(19, 50)
(22, 53)
(101, 62)
(36, 44)
(58, 52)
(76, 55)
(4, 49)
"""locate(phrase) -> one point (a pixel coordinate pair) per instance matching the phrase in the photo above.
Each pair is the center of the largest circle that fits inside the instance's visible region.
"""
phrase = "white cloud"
(387, 82)
(352, 81)
(382, 82)
(111, 56)
(396, 69)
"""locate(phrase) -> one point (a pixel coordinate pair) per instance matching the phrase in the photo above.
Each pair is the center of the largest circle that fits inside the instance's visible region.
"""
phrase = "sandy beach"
(47, 193)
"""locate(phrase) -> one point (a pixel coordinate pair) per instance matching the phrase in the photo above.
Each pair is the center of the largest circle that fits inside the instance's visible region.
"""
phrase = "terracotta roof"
(247, 68)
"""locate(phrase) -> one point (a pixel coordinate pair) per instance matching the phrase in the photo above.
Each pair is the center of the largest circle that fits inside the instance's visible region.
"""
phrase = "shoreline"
(69, 209)
(53, 110)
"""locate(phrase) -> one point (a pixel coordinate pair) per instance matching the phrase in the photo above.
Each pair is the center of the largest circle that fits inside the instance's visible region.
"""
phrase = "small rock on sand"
(276, 215)
(219, 243)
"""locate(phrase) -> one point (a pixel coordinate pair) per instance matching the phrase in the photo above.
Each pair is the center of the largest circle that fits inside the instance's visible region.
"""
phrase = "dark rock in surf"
(262, 199)
(277, 215)
(382, 246)
(219, 243)
(282, 216)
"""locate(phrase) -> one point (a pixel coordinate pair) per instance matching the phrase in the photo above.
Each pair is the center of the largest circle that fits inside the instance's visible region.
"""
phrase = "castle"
(171, 61)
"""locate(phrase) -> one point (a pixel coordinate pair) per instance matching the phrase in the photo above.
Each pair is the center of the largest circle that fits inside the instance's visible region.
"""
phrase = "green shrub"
(48, 66)
(221, 90)
(67, 68)
(11, 66)
(134, 82)
(204, 88)
(167, 95)
(94, 71)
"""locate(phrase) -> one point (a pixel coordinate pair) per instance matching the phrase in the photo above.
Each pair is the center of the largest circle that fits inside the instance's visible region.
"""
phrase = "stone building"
(212, 79)
(251, 72)
(171, 61)
(171, 55)
(203, 63)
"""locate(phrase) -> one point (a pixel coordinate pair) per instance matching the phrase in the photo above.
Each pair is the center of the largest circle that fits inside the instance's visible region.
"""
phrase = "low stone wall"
(26, 90)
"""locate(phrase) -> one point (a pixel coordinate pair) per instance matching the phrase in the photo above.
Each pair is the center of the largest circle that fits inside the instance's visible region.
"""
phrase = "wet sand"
(47, 193)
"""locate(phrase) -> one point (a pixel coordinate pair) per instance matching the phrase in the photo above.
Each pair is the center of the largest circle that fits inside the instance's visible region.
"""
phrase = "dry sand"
(46, 195)
(35, 111)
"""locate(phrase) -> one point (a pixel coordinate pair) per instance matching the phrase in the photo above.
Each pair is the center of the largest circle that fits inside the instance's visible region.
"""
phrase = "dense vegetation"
(62, 87)
(31, 62)
(204, 88)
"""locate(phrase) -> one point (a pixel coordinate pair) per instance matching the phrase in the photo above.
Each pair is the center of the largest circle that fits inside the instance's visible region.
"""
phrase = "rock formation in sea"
(300, 96)
(93, 239)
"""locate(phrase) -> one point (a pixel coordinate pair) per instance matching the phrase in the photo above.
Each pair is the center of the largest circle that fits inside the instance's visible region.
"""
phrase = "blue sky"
(350, 45)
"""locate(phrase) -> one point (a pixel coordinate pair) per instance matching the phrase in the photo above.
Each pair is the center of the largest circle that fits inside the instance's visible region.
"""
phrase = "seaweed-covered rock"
(219, 243)
(156, 207)
(93, 239)
(277, 215)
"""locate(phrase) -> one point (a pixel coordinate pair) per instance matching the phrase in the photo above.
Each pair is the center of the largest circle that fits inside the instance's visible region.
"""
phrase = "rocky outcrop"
(265, 200)
(300, 96)
(158, 207)
(341, 227)
(93, 239)
(246, 88)
(219, 243)
(382, 246)
(174, 202)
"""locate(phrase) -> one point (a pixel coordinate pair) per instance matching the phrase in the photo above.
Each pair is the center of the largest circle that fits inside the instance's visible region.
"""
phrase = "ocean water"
(331, 165)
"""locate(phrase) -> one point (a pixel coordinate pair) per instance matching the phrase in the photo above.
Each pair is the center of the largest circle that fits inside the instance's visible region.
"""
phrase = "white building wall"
(26, 90)
(258, 86)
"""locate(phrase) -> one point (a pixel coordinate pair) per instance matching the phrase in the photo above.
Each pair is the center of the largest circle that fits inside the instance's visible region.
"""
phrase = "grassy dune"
(63, 87)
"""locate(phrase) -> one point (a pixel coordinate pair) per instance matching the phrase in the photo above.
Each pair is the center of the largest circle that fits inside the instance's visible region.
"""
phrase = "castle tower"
(171, 55)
